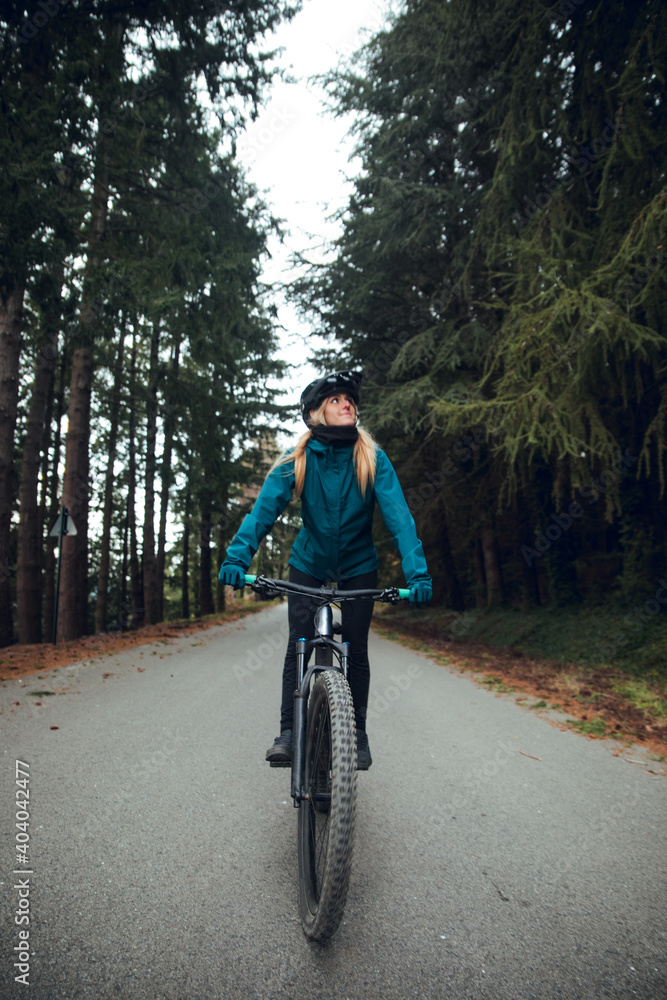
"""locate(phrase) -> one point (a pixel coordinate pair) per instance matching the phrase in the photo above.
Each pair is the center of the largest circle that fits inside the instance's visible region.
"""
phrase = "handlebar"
(391, 595)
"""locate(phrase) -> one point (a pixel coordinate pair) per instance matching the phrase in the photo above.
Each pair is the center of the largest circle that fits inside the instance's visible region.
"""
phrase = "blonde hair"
(364, 455)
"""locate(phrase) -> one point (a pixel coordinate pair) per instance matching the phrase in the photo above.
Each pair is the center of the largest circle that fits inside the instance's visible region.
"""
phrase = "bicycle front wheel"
(326, 816)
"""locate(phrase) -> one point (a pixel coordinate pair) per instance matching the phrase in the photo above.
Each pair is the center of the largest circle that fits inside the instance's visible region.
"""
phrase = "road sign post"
(64, 526)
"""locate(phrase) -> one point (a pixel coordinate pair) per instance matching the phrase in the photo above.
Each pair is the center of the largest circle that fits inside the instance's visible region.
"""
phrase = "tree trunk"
(149, 565)
(73, 604)
(196, 583)
(205, 563)
(53, 499)
(185, 569)
(138, 612)
(452, 584)
(44, 501)
(529, 574)
(11, 321)
(167, 478)
(222, 533)
(494, 580)
(478, 570)
(136, 590)
(103, 573)
(29, 557)
(123, 617)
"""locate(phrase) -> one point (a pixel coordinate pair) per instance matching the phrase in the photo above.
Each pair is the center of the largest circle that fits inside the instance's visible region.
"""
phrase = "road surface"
(162, 849)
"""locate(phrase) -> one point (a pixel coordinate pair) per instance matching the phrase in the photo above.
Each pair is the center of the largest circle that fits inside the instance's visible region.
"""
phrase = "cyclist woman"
(339, 473)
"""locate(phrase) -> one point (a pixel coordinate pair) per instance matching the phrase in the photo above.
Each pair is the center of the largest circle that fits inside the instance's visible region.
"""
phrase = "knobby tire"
(326, 817)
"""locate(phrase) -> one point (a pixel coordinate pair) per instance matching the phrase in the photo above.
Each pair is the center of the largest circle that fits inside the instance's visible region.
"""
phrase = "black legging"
(356, 622)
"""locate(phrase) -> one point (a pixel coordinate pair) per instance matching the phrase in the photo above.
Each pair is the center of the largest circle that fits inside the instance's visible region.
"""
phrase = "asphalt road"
(162, 848)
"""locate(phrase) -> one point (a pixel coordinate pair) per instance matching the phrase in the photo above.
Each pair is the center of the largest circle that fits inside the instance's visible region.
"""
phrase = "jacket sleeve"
(269, 505)
(399, 521)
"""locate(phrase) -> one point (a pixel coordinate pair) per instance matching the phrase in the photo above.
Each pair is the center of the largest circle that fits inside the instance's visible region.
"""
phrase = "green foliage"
(123, 212)
(645, 697)
(582, 635)
(502, 267)
(593, 727)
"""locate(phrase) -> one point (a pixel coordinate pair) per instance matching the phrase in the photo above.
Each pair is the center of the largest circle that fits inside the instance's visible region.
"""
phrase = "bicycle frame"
(324, 639)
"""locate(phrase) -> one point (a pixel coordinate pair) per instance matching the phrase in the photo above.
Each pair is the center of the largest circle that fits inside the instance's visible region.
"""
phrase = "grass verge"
(557, 656)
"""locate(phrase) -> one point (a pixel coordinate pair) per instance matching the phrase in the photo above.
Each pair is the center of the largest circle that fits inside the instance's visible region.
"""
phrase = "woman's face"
(340, 411)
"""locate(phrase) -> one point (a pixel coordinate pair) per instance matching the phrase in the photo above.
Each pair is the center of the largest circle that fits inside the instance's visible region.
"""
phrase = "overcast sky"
(298, 155)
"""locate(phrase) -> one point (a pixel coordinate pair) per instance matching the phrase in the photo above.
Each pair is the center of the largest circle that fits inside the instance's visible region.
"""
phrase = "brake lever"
(261, 586)
(393, 595)
(390, 596)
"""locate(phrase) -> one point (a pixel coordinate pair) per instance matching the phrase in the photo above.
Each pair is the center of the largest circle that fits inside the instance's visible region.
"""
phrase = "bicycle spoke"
(319, 818)
(321, 854)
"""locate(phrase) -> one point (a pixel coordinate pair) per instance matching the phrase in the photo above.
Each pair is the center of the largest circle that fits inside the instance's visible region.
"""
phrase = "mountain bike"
(324, 755)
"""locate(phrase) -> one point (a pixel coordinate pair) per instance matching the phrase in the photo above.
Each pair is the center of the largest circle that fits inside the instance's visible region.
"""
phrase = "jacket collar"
(326, 449)
(317, 446)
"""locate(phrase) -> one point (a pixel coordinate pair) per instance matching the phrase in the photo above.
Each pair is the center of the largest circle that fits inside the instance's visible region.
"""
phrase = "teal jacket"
(335, 541)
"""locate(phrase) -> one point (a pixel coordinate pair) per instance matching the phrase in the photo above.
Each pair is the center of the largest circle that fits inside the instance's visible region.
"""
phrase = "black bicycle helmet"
(319, 390)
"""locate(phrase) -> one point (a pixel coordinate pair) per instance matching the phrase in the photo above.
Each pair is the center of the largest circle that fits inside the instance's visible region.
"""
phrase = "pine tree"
(104, 103)
(488, 278)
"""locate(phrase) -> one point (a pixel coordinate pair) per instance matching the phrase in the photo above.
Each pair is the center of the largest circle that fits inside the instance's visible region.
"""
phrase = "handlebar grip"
(249, 578)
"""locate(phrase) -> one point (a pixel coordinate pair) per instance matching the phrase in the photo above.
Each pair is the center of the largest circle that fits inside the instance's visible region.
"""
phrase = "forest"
(499, 279)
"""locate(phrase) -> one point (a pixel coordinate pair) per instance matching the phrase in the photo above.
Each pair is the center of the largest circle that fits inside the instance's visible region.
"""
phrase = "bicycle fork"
(299, 733)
